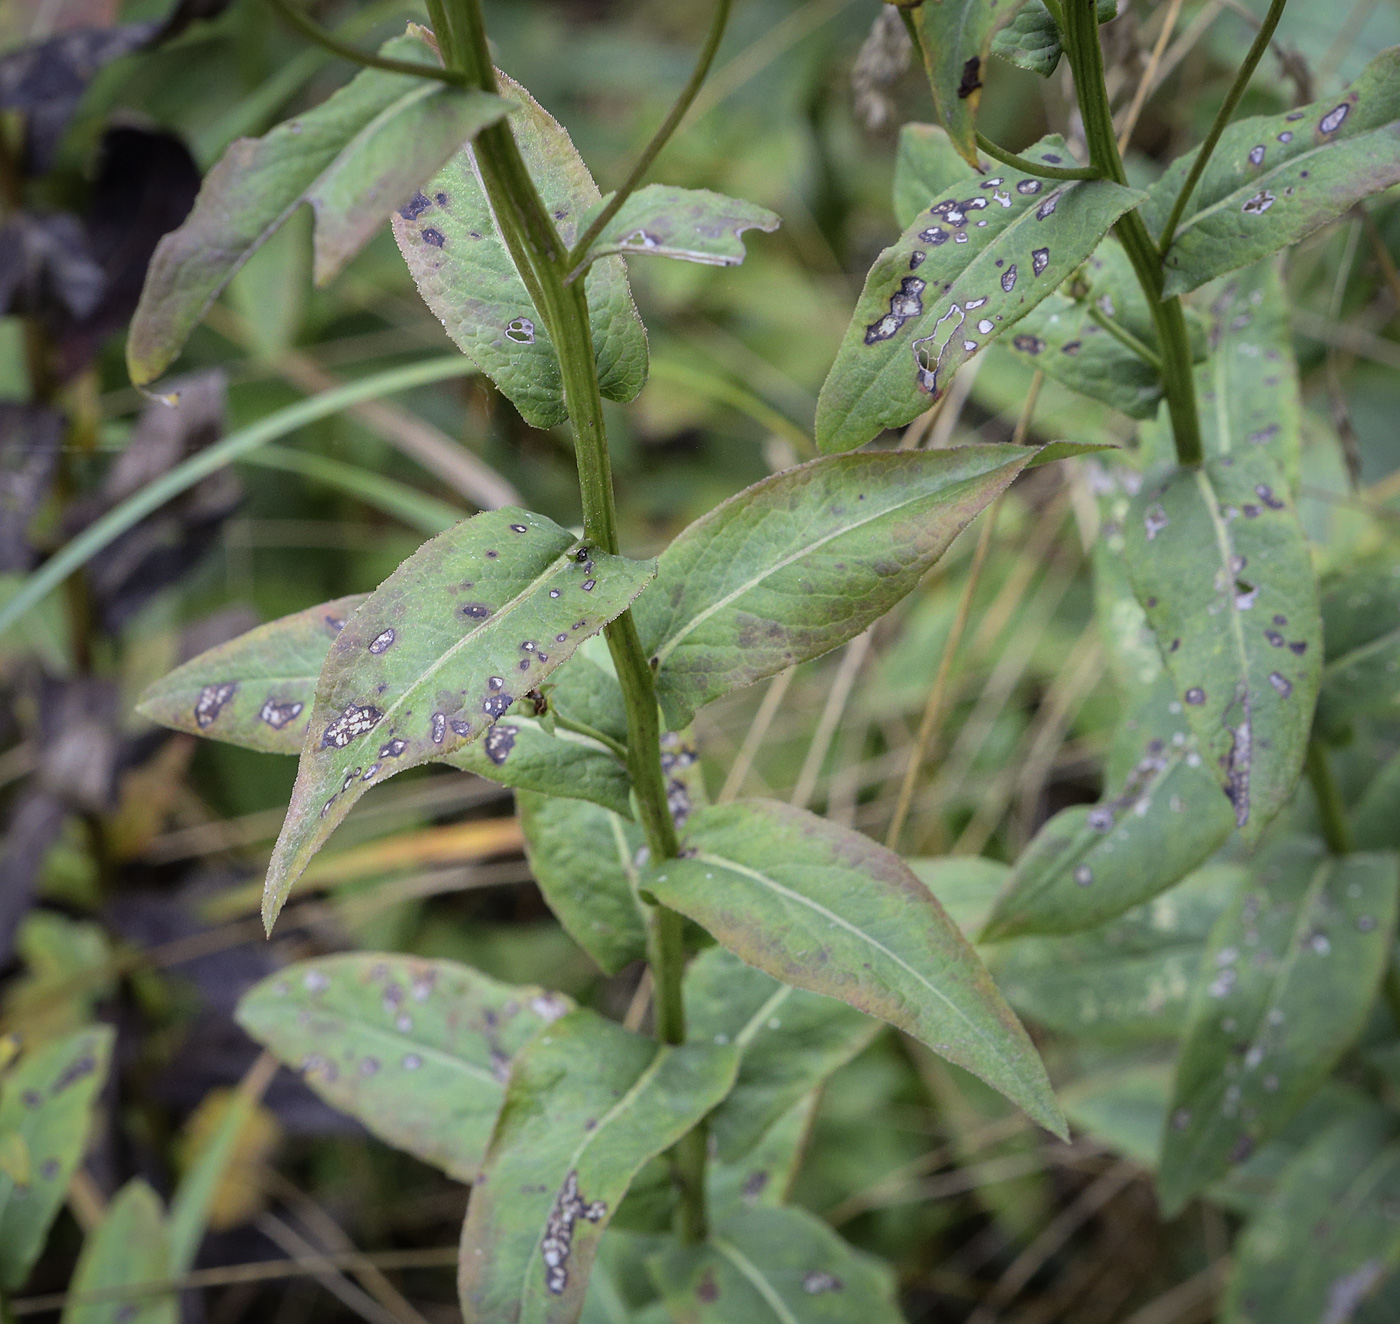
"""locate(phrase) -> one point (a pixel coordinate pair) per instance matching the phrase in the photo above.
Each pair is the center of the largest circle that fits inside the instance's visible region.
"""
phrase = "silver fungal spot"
(495, 682)
(569, 1207)
(1285, 137)
(1040, 259)
(587, 585)
(460, 727)
(371, 771)
(974, 304)
(211, 702)
(904, 304)
(522, 331)
(818, 1282)
(500, 740)
(393, 749)
(1256, 155)
(554, 593)
(986, 327)
(1154, 520)
(519, 528)
(438, 729)
(1259, 203)
(277, 715)
(1083, 875)
(353, 722)
(1195, 696)
(314, 981)
(494, 705)
(1008, 278)
(1047, 208)
(382, 642)
(1332, 121)
(1029, 187)
(934, 235)
(1281, 683)
(411, 1061)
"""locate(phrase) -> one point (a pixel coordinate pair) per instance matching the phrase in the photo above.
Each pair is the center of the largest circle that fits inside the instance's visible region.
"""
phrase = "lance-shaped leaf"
(129, 1248)
(791, 1042)
(1283, 988)
(1274, 179)
(256, 690)
(584, 860)
(1127, 981)
(474, 619)
(47, 1101)
(692, 224)
(355, 157)
(1032, 40)
(963, 272)
(926, 166)
(587, 1105)
(803, 561)
(463, 269)
(418, 1051)
(764, 1175)
(1092, 862)
(775, 1266)
(825, 909)
(1329, 1235)
(1221, 566)
(1361, 633)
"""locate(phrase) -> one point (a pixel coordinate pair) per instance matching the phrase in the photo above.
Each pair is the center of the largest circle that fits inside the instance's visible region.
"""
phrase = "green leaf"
(803, 561)
(1283, 989)
(584, 860)
(1274, 179)
(355, 157)
(926, 166)
(256, 690)
(1361, 633)
(1127, 981)
(764, 1175)
(465, 273)
(587, 1105)
(775, 1266)
(128, 1249)
(1032, 41)
(472, 620)
(692, 224)
(825, 909)
(984, 257)
(1375, 821)
(955, 38)
(1329, 1235)
(1089, 863)
(1131, 647)
(418, 1051)
(964, 885)
(47, 1100)
(791, 1042)
(1220, 563)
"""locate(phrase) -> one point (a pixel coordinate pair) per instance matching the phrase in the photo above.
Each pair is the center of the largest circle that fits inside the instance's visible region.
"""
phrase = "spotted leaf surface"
(587, 1105)
(774, 1266)
(1361, 632)
(1126, 981)
(465, 273)
(791, 1042)
(256, 690)
(47, 1101)
(964, 272)
(764, 1174)
(584, 860)
(1283, 989)
(1274, 179)
(129, 1248)
(1092, 862)
(825, 909)
(803, 561)
(355, 157)
(1032, 41)
(418, 1051)
(693, 224)
(1220, 564)
(465, 627)
(926, 166)
(1329, 1235)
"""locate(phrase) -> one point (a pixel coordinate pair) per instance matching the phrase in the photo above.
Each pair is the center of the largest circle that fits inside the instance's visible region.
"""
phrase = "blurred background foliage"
(133, 857)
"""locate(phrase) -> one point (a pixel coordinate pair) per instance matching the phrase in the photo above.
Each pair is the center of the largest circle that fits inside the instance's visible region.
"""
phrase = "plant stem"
(1029, 167)
(313, 31)
(1336, 831)
(592, 732)
(1122, 335)
(658, 140)
(1081, 41)
(1222, 119)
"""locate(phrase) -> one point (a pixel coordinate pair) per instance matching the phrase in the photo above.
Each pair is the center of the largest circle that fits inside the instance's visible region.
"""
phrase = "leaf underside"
(1032, 39)
(692, 224)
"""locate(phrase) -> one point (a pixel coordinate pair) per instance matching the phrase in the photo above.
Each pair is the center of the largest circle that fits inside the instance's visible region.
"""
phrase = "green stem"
(1123, 336)
(1081, 40)
(1336, 831)
(1038, 168)
(1222, 119)
(658, 140)
(592, 732)
(313, 31)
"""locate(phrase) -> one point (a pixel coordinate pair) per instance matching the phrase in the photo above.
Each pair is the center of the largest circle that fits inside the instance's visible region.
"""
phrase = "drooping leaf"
(47, 1100)
(128, 1248)
(764, 1175)
(474, 619)
(1361, 635)
(693, 224)
(465, 273)
(803, 561)
(791, 1042)
(1330, 1234)
(984, 257)
(1032, 41)
(586, 1106)
(1221, 566)
(1274, 179)
(1130, 979)
(356, 157)
(955, 38)
(256, 690)
(775, 1266)
(417, 1050)
(584, 860)
(1284, 987)
(823, 908)
(926, 166)
(1089, 863)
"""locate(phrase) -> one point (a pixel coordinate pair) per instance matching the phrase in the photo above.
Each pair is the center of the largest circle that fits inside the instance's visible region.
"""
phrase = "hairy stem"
(1081, 41)
(1336, 831)
(313, 31)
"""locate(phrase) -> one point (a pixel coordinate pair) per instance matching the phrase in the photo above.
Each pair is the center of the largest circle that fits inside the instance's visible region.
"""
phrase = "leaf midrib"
(754, 1275)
